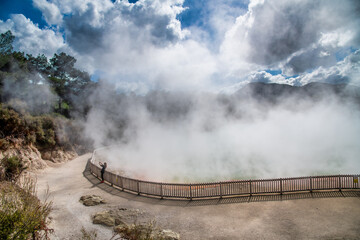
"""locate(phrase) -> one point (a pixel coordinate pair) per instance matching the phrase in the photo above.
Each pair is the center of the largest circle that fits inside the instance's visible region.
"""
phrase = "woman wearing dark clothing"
(103, 165)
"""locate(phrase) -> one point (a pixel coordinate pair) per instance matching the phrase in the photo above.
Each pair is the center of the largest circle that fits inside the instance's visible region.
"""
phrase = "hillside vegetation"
(46, 131)
(39, 99)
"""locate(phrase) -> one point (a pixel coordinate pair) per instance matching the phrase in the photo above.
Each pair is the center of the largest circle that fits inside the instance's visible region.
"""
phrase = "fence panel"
(110, 177)
(325, 182)
(150, 188)
(117, 181)
(350, 182)
(130, 184)
(356, 182)
(176, 190)
(346, 182)
(235, 188)
(266, 186)
(205, 190)
(295, 184)
(95, 169)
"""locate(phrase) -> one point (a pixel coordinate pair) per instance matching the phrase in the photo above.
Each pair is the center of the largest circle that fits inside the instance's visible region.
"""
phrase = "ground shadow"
(213, 201)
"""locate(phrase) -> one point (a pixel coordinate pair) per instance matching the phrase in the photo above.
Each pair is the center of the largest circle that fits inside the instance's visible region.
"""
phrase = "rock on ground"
(168, 234)
(130, 223)
(145, 231)
(91, 200)
(104, 218)
(115, 217)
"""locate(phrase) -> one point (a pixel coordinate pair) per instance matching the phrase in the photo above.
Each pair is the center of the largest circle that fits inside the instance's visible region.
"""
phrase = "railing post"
(190, 193)
(220, 190)
(138, 186)
(281, 191)
(121, 184)
(161, 191)
(311, 188)
(339, 183)
(250, 188)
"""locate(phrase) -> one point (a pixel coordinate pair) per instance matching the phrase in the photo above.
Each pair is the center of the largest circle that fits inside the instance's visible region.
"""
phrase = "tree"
(6, 41)
(26, 75)
(61, 71)
(62, 66)
(67, 81)
(6, 48)
(38, 64)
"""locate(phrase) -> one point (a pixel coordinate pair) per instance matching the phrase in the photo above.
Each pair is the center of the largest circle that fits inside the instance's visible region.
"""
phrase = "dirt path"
(301, 216)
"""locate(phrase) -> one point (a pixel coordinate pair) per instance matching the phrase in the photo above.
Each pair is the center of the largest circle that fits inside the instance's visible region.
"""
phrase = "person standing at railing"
(103, 167)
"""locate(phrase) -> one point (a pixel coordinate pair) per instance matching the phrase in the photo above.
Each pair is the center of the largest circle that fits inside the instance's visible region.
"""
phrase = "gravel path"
(298, 216)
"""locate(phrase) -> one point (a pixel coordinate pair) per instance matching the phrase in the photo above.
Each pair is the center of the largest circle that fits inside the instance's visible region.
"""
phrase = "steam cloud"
(36, 98)
(203, 137)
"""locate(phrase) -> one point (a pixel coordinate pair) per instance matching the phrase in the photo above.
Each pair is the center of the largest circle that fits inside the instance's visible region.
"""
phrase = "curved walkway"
(331, 215)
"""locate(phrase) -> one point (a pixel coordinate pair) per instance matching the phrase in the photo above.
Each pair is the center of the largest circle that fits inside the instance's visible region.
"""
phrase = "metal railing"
(228, 188)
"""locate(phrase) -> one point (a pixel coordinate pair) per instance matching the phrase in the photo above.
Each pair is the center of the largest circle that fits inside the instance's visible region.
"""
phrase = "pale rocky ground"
(298, 216)
(33, 159)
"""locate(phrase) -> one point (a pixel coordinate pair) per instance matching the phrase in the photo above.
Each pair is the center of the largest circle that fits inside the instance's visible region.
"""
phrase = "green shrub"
(22, 215)
(43, 128)
(30, 138)
(44, 131)
(11, 122)
(13, 167)
(39, 130)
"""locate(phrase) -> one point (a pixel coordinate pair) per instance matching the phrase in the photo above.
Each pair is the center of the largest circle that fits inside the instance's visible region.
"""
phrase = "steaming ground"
(183, 137)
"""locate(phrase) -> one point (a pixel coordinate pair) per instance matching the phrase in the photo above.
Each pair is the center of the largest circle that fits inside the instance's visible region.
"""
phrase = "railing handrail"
(227, 188)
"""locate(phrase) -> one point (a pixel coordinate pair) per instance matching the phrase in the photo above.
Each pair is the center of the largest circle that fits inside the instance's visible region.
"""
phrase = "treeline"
(41, 85)
(39, 98)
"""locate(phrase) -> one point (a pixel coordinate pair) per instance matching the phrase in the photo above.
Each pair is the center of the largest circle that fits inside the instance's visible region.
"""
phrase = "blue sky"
(24, 7)
(213, 45)
(196, 13)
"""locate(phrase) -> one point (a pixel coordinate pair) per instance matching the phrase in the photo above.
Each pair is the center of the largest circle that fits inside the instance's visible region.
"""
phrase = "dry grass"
(22, 214)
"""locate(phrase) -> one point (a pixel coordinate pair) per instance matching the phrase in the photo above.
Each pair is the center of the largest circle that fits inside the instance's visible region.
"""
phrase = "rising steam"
(206, 137)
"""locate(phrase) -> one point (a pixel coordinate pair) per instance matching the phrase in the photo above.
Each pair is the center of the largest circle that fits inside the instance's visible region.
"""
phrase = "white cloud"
(297, 33)
(338, 38)
(346, 71)
(30, 38)
(68, 7)
(144, 46)
(140, 45)
(50, 11)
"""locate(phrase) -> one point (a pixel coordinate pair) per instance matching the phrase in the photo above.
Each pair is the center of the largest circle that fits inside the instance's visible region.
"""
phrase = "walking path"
(331, 215)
